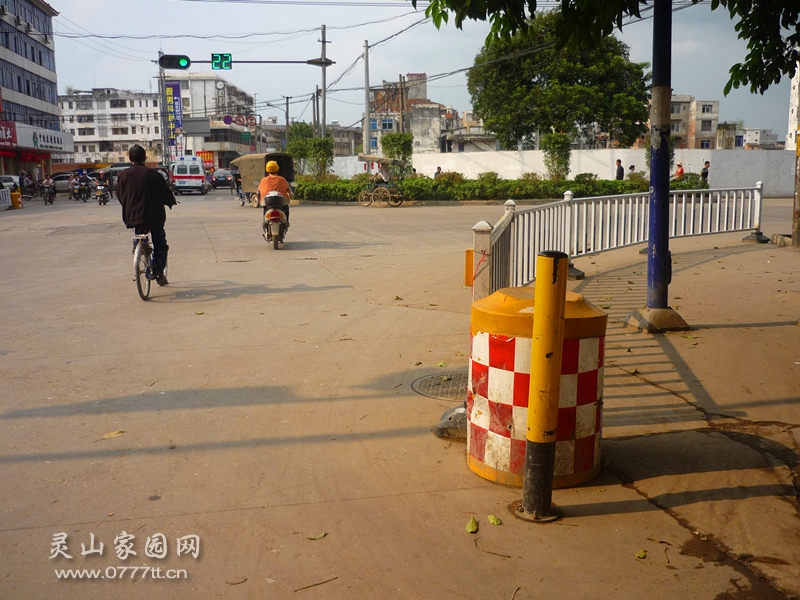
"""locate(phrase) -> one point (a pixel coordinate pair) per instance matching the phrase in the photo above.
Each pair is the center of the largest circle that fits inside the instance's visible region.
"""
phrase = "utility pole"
(402, 104)
(314, 115)
(657, 316)
(365, 148)
(324, 84)
(286, 136)
(796, 208)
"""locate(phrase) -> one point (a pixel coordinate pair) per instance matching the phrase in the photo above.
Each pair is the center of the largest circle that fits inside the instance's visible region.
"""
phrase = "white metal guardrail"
(505, 255)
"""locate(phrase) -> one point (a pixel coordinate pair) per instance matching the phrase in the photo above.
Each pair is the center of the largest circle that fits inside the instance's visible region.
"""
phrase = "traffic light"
(174, 61)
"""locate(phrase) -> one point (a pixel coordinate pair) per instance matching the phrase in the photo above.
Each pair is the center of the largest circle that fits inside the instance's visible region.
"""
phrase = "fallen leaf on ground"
(236, 580)
(495, 520)
(641, 554)
(317, 537)
(472, 525)
(113, 434)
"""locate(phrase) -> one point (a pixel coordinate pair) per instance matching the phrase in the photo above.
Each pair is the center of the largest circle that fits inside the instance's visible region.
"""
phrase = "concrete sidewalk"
(265, 403)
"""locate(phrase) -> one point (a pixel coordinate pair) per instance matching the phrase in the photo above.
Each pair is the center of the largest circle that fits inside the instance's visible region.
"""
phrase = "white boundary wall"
(729, 168)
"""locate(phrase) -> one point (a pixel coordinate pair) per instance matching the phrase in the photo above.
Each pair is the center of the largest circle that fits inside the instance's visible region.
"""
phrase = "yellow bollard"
(545, 385)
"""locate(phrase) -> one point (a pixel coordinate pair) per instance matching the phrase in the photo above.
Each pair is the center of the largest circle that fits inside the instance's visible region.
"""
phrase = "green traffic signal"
(174, 61)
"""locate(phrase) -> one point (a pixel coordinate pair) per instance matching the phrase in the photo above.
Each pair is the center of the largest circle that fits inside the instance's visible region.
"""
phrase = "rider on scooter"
(273, 182)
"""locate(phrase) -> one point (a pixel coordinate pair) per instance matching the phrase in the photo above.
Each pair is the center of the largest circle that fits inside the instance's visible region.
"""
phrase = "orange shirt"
(274, 183)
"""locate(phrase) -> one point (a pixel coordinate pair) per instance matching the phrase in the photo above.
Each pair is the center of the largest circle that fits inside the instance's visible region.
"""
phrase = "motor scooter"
(49, 192)
(83, 188)
(101, 193)
(75, 190)
(275, 221)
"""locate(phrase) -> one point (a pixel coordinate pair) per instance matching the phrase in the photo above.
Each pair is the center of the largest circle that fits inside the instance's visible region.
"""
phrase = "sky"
(114, 44)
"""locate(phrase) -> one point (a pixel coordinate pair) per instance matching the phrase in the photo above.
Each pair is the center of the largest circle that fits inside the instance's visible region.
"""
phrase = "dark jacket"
(143, 194)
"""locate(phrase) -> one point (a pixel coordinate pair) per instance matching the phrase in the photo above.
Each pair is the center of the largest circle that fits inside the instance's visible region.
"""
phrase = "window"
(131, 104)
(184, 85)
(119, 130)
(86, 131)
(373, 143)
(705, 144)
(373, 124)
(185, 102)
(116, 103)
(133, 116)
(387, 124)
(705, 125)
(155, 103)
(707, 108)
(155, 130)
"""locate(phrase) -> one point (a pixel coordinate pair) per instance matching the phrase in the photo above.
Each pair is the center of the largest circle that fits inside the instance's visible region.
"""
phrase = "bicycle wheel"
(381, 194)
(141, 260)
(395, 200)
(365, 197)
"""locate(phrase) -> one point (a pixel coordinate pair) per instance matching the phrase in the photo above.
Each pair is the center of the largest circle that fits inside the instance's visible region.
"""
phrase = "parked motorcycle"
(275, 221)
(102, 194)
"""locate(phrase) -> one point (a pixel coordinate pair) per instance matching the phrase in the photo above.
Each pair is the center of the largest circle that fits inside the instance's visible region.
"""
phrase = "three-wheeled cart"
(379, 191)
(253, 169)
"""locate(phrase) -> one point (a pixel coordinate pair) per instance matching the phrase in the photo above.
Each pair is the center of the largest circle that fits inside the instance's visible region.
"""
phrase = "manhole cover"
(445, 386)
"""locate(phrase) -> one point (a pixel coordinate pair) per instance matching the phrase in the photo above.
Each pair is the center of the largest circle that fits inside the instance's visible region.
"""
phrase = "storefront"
(31, 149)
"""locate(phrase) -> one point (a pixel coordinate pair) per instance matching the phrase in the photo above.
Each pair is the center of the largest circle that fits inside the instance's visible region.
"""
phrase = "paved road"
(263, 402)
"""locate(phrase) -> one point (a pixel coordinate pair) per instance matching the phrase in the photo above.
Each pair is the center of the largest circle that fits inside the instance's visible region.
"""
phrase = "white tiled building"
(106, 122)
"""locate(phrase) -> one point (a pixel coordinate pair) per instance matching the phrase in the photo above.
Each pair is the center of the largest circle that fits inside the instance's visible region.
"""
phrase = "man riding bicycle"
(143, 194)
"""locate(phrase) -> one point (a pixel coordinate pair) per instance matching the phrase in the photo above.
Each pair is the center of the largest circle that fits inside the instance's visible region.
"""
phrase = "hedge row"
(488, 186)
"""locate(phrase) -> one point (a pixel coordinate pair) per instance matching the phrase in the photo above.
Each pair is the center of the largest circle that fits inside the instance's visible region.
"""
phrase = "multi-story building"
(195, 114)
(403, 106)
(106, 122)
(30, 138)
(693, 123)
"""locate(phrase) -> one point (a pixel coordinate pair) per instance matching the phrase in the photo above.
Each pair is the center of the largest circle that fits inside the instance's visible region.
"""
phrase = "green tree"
(300, 136)
(398, 145)
(556, 148)
(524, 84)
(320, 156)
(771, 28)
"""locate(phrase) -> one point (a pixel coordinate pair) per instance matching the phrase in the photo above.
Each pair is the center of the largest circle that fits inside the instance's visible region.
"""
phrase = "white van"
(188, 175)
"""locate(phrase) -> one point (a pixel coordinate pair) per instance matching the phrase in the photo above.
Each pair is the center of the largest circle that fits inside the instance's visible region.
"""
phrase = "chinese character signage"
(8, 134)
(172, 91)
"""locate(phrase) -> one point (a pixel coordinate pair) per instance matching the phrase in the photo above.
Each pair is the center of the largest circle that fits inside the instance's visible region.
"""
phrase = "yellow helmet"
(272, 167)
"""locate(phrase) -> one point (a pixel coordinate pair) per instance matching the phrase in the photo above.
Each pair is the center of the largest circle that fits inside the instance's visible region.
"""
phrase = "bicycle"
(381, 192)
(143, 270)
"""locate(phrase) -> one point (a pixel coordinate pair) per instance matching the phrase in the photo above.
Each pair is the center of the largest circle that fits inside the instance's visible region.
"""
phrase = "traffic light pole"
(162, 96)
